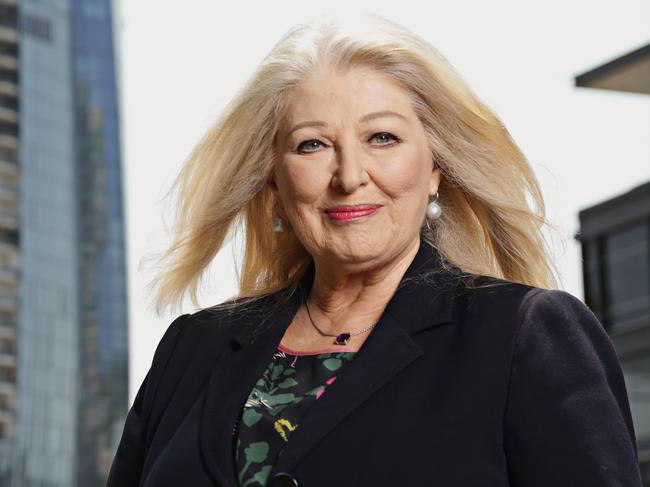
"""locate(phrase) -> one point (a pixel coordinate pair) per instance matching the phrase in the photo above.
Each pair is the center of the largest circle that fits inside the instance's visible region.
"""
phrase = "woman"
(397, 323)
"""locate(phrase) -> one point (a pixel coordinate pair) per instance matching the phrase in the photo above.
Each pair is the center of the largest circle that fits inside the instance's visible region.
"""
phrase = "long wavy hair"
(493, 209)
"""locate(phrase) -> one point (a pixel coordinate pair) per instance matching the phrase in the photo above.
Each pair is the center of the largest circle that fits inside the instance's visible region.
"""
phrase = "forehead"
(357, 90)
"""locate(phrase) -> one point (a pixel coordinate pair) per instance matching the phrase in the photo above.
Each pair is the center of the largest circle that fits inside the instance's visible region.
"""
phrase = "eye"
(385, 137)
(308, 144)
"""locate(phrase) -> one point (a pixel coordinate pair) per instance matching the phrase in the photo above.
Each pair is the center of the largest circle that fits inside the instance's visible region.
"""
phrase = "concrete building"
(615, 239)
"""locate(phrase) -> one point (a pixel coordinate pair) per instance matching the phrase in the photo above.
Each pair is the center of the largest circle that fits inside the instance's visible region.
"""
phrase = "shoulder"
(528, 301)
(559, 328)
(539, 310)
(208, 327)
(550, 331)
(531, 313)
(193, 341)
(566, 394)
(555, 340)
(493, 298)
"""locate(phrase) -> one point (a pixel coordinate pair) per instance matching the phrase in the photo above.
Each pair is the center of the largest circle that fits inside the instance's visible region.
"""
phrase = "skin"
(384, 160)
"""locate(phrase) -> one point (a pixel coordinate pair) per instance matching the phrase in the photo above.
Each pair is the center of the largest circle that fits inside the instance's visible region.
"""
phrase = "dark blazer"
(507, 385)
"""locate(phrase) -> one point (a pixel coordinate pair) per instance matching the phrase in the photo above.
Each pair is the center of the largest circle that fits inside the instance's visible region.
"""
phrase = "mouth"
(351, 212)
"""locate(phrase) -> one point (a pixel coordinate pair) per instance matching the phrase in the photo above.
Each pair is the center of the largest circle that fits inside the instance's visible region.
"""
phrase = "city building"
(615, 240)
(63, 305)
(627, 73)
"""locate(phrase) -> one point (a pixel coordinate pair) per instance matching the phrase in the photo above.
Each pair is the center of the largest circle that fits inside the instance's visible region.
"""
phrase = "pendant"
(342, 339)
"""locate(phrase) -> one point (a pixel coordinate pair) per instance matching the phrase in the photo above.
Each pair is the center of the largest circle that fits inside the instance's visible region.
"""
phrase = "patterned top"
(292, 382)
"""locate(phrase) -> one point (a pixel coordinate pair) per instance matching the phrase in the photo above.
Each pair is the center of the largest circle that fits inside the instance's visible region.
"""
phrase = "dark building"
(629, 73)
(615, 239)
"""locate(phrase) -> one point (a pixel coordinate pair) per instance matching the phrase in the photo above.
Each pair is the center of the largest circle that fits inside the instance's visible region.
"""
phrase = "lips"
(351, 212)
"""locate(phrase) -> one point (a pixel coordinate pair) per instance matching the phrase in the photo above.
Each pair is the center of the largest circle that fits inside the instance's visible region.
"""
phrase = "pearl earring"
(278, 225)
(433, 209)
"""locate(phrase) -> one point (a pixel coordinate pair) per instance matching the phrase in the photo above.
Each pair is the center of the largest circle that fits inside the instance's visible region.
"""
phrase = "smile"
(351, 212)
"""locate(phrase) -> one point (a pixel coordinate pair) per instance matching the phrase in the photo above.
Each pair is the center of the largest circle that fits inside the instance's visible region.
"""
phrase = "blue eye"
(384, 134)
(310, 144)
(306, 143)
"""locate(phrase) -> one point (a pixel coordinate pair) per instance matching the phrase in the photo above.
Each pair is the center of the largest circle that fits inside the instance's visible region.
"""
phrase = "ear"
(434, 182)
(272, 184)
(278, 209)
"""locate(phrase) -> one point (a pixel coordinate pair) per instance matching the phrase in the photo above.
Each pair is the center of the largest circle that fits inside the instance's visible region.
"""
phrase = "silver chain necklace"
(341, 338)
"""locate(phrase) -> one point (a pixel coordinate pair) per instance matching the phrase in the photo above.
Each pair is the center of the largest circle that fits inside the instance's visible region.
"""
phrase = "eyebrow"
(365, 118)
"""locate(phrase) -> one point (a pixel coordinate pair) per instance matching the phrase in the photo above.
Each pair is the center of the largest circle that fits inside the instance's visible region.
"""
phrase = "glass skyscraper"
(63, 305)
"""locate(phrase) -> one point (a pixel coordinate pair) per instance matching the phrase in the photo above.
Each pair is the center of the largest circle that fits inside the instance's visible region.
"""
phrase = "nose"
(351, 167)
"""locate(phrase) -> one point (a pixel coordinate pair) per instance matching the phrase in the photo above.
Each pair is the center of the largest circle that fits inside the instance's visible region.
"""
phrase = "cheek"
(406, 177)
(300, 184)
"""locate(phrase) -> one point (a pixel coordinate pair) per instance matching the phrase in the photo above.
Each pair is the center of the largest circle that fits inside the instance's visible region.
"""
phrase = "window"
(38, 27)
(637, 380)
(627, 284)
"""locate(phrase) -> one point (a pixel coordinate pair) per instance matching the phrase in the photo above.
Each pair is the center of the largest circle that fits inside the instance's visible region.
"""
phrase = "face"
(353, 170)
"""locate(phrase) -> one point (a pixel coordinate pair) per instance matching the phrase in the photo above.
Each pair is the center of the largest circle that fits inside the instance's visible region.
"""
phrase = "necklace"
(341, 338)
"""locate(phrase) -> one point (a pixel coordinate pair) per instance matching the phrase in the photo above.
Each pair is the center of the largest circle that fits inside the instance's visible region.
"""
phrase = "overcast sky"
(182, 61)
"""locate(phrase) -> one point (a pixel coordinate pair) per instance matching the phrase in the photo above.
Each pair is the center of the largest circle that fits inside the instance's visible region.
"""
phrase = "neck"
(346, 301)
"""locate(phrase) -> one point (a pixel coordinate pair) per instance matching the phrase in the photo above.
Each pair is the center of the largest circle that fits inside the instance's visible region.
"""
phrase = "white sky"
(182, 61)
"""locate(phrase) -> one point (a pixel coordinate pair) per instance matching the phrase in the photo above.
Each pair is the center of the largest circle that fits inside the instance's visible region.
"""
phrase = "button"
(283, 479)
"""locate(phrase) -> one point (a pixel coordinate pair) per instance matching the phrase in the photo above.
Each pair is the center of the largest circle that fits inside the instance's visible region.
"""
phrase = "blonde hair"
(487, 225)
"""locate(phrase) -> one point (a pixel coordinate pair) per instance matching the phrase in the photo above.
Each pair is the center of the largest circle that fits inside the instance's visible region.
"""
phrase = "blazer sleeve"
(567, 419)
(127, 464)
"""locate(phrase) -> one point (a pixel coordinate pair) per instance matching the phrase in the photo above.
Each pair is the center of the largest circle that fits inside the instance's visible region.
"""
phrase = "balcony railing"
(8, 34)
(8, 276)
(7, 359)
(8, 332)
(9, 88)
(9, 251)
(7, 302)
(9, 142)
(7, 388)
(8, 115)
(8, 191)
(8, 62)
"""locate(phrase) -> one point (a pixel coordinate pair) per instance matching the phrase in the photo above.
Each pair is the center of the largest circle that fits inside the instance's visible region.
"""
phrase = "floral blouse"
(292, 382)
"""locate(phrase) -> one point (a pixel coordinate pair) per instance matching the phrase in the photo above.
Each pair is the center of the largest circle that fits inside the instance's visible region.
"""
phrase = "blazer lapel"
(242, 363)
(422, 300)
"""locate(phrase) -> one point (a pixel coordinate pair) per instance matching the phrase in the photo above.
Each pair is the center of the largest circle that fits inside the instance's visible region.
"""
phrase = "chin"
(359, 254)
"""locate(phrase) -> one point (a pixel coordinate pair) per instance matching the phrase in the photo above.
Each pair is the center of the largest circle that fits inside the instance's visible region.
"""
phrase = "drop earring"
(433, 209)
(278, 225)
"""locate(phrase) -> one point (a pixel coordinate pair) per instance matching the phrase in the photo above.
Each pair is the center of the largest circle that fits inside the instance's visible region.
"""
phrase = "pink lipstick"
(351, 212)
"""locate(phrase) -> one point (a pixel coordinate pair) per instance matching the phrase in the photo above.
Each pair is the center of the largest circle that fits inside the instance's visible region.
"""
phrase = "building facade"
(63, 308)
(615, 238)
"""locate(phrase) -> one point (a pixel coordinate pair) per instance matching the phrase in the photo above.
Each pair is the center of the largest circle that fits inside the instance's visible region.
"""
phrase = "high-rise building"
(615, 239)
(63, 305)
